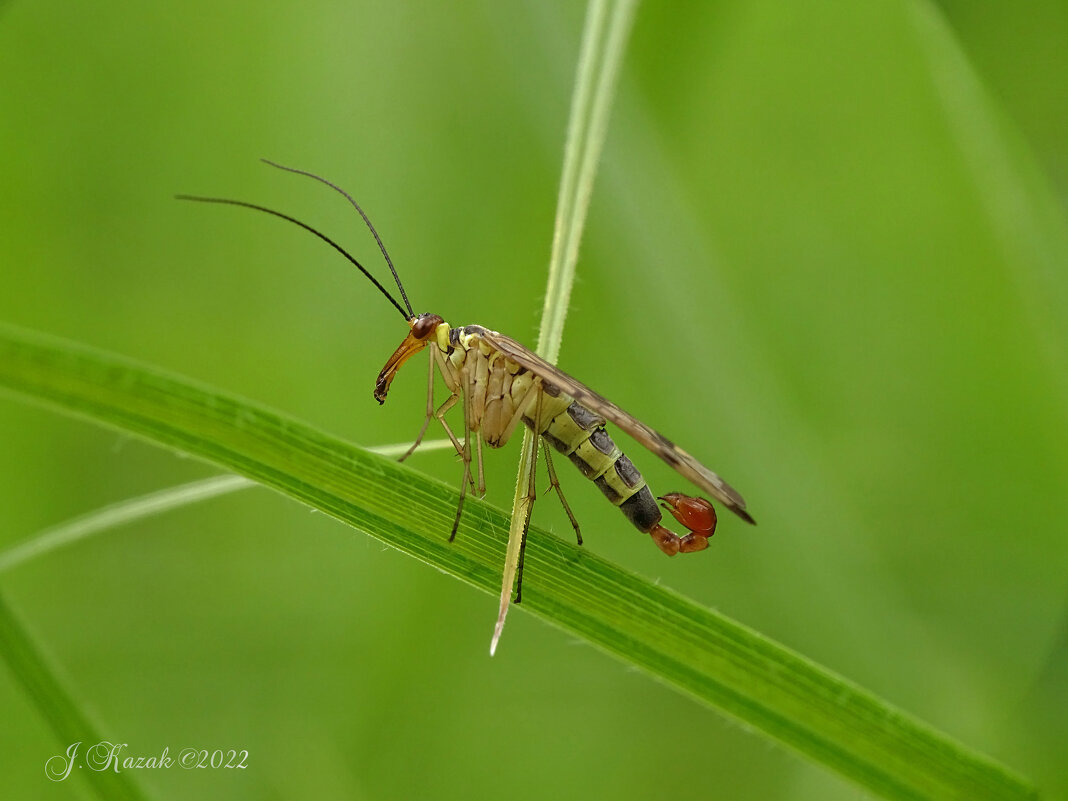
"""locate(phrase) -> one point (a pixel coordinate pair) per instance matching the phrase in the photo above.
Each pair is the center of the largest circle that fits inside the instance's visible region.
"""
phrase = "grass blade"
(604, 40)
(43, 685)
(117, 514)
(150, 505)
(701, 653)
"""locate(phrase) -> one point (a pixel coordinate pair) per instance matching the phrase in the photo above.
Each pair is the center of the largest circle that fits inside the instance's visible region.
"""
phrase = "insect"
(500, 383)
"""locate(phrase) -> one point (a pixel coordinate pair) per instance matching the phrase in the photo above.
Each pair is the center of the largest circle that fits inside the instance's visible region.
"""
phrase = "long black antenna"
(366, 219)
(306, 227)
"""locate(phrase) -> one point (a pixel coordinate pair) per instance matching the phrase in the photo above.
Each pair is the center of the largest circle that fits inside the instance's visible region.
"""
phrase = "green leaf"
(696, 650)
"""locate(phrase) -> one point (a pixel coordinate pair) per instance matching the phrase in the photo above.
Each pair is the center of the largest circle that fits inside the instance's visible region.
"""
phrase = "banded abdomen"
(579, 434)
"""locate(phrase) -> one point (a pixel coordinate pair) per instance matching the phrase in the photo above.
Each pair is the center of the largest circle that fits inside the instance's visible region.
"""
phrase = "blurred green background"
(827, 253)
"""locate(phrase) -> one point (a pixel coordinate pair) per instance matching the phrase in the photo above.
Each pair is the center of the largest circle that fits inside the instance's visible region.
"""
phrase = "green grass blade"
(43, 685)
(150, 505)
(703, 654)
(604, 41)
(118, 514)
(589, 124)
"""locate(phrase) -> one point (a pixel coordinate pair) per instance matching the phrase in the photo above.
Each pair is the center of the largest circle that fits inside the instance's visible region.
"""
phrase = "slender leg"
(465, 451)
(481, 473)
(440, 414)
(459, 508)
(554, 484)
(447, 405)
(532, 494)
(467, 380)
(429, 411)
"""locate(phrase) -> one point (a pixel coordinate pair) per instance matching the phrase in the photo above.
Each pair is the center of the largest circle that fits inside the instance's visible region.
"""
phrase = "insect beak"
(408, 348)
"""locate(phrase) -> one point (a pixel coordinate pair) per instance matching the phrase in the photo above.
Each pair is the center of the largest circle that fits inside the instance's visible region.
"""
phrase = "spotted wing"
(684, 463)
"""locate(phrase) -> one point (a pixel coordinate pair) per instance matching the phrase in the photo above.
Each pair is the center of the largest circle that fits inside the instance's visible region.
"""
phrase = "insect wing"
(686, 465)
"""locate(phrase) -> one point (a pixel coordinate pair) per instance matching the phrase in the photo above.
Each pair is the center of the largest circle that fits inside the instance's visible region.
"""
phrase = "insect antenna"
(306, 227)
(366, 219)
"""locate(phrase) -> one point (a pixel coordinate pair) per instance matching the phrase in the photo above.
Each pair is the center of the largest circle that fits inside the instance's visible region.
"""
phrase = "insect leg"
(481, 474)
(429, 411)
(532, 494)
(465, 450)
(554, 484)
(440, 415)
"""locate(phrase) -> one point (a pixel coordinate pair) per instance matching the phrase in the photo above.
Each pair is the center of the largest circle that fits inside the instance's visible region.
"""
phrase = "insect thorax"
(503, 392)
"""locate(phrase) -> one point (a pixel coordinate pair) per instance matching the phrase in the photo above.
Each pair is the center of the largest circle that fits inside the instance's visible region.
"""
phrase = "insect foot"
(696, 514)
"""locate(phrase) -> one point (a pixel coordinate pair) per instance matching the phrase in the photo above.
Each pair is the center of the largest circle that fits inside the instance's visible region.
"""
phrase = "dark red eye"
(425, 325)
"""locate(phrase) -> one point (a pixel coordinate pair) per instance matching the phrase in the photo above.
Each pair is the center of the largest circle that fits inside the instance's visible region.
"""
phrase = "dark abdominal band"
(591, 450)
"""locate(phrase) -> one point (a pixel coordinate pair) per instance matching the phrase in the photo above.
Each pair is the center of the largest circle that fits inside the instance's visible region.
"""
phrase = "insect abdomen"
(579, 434)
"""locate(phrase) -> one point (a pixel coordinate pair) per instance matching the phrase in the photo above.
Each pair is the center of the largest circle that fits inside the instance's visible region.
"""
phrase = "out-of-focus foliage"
(827, 254)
